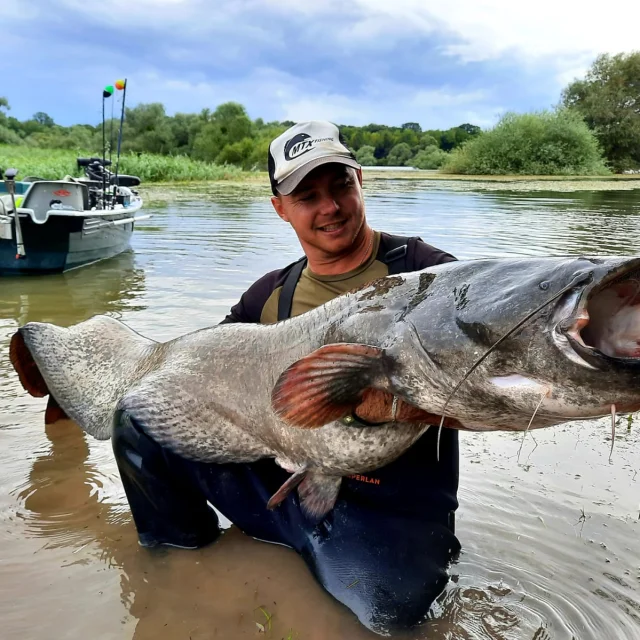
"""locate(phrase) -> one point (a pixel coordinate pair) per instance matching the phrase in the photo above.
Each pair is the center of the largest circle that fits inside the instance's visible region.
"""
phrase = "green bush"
(364, 155)
(156, 168)
(543, 143)
(399, 155)
(9, 137)
(429, 158)
(238, 153)
(50, 164)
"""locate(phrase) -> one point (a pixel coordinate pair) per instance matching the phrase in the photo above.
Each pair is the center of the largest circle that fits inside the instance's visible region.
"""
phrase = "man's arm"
(239, 312)
(249, 307)
(426, 255)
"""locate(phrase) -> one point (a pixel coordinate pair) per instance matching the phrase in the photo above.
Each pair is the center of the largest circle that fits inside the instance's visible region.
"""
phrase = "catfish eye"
(544, 285)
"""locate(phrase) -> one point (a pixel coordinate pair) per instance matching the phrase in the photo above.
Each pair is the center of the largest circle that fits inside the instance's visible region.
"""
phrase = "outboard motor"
(95, 169)
(128, 181)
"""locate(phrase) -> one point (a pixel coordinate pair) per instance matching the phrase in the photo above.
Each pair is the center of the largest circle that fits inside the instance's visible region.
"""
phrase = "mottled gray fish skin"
(208, 395)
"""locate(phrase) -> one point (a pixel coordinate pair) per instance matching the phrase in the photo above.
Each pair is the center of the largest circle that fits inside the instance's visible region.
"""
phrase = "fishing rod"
(107, 92)
(111, 132)
(121, 85)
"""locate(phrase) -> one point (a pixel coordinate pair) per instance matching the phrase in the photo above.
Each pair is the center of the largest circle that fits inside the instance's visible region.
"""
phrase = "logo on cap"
(300, 144)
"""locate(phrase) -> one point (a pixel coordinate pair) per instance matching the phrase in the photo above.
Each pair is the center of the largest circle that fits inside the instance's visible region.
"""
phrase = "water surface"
(549, 528)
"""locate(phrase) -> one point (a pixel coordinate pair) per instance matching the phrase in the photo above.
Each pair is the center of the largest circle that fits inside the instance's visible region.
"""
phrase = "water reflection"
(67, 502)
(110, 286)
(64, 498)
(171, 593)
(499, 590)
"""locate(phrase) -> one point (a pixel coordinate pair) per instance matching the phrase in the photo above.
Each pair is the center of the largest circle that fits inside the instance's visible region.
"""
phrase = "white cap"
(302, 148)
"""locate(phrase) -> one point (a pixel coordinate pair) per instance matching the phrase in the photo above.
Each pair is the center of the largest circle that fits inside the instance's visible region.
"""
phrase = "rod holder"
(10, 182)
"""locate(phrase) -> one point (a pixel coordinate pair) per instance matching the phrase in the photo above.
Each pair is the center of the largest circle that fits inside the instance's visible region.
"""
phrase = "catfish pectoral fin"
(287, 488)
(327, 384)
(318, 493)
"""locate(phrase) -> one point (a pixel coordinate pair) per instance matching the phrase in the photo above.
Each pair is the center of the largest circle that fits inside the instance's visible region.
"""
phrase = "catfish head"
(491, 343)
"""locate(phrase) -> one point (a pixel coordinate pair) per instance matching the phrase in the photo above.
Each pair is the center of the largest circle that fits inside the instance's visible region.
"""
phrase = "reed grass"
(52, 164)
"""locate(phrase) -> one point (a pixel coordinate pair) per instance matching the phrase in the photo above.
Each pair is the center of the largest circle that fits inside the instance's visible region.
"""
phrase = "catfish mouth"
(603, 327)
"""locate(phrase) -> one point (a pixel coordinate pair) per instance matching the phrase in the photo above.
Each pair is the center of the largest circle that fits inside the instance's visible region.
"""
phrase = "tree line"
(227, 135)
(595, 128)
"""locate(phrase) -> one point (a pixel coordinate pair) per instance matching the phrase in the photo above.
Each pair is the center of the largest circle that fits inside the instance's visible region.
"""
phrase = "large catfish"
(488, 342)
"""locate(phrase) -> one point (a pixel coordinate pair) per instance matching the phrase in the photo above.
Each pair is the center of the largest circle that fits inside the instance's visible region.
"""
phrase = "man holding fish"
(315, 432)
(383, 550)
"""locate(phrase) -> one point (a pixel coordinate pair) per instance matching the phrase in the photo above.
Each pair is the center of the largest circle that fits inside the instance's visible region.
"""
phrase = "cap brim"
(292, 181)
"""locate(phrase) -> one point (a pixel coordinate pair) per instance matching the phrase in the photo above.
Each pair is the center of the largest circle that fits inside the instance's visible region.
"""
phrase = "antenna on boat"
(111, 131)
(107, 92)
(121, 85)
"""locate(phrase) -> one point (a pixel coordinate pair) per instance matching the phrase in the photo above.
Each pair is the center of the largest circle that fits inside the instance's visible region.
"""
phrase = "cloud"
(492, 28)
(284, 96)
(437, 63)
(13, 10)
(564, 36)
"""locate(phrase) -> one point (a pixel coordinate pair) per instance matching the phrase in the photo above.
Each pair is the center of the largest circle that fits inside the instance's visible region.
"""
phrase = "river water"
(549, 527)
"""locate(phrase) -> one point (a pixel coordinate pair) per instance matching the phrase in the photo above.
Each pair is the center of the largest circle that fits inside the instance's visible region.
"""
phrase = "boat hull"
(61, 244)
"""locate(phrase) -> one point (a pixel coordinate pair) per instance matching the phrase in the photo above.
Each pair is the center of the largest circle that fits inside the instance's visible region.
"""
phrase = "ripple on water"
(542, 539)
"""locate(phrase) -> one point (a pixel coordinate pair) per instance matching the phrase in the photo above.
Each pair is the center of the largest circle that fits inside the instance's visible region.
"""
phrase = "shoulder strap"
(288, 288)
(399, 255)
(399, 258)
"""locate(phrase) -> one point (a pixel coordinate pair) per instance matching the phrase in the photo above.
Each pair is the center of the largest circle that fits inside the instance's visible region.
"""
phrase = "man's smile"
(333, 227)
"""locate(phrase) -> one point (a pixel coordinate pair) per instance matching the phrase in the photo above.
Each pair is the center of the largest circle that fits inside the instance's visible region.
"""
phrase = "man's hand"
(377, 407)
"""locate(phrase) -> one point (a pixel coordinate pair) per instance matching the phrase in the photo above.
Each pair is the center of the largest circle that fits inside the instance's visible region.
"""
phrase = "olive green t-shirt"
(314, 290)
(260, 302)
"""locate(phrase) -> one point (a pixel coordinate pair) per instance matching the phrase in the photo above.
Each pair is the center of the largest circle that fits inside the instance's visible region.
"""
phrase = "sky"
(440, 63)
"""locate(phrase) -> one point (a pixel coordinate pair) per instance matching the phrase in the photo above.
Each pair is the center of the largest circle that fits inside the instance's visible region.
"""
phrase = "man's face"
(326, 210)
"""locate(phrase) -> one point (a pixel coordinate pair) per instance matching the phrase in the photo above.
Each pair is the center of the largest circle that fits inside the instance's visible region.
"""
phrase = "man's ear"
(359, 174)
(276, 201)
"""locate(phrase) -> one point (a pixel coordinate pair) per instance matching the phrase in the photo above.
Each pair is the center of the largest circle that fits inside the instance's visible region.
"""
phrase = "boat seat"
(21, 187)
(44, 196)
(6, 207)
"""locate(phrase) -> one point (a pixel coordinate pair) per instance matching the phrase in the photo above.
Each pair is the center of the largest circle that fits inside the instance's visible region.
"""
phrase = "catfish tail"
(84, 369)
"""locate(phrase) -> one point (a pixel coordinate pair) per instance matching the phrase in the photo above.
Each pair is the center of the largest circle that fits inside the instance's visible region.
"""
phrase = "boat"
(52, 226)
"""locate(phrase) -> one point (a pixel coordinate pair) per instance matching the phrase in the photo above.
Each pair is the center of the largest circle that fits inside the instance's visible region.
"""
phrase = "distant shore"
(417, 174)
(152, 169)
(378, 173)
(375, 177)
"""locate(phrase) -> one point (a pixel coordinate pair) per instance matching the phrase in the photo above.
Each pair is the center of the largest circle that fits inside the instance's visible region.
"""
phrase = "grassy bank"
(373, 173)
(56, 163)
(53, 164)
